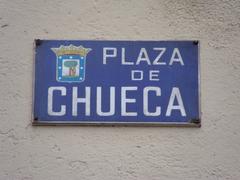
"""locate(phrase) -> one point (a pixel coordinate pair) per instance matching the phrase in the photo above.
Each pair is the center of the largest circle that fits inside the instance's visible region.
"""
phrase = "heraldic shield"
(71, 63)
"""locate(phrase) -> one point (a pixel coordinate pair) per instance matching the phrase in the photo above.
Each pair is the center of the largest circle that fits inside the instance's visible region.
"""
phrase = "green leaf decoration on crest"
(70, 64)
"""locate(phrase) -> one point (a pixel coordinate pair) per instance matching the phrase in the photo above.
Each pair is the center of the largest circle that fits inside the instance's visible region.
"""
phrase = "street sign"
(116, 82)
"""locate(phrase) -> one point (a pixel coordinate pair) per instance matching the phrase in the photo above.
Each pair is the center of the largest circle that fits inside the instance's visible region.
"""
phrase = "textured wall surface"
(114, 153)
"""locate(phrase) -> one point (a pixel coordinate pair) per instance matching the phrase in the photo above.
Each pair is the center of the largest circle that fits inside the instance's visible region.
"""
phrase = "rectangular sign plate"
(116, 82)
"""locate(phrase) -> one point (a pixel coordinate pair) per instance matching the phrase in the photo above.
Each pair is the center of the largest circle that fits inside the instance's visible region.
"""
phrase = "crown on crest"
(71, 49)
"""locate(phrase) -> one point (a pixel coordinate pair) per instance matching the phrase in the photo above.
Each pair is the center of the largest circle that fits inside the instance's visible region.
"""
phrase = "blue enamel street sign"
(116, 82)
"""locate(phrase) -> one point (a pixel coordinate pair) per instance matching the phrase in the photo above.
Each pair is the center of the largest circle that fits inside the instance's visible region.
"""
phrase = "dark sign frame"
(44, 55)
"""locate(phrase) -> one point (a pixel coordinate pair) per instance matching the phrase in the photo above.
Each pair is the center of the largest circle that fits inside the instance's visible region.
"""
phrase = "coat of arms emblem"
(71, 63)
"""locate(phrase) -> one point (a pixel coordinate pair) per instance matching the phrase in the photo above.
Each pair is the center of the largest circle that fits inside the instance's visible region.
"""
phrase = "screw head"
(195, 42)
(38, 42)
(195, 121)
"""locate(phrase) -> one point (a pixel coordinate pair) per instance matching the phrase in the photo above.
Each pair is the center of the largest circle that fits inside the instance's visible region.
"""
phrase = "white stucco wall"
(114, 153)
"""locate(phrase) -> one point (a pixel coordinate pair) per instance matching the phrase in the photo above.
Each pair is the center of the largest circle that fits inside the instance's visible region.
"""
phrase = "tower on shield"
(71, 63)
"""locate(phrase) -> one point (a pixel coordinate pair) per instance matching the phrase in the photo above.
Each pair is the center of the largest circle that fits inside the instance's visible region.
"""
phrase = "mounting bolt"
(195, 121)
(38, 42)
(195, 42)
